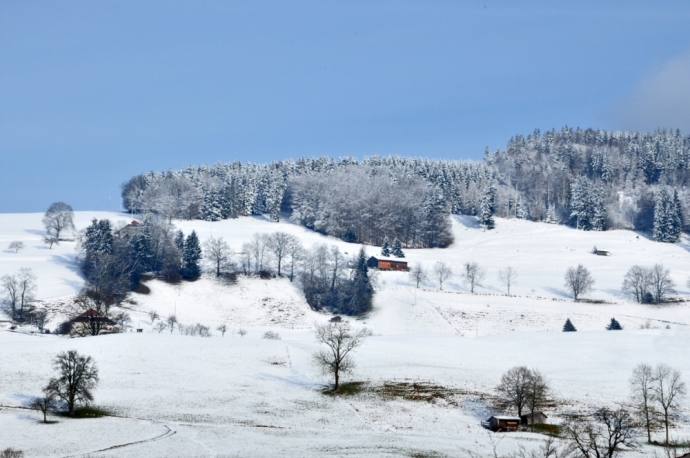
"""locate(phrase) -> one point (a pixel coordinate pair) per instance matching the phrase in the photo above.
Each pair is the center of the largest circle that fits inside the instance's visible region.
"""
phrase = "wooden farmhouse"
(382, 263)
(502, 423)
(130, 230)
(539, 418)
(91, 322)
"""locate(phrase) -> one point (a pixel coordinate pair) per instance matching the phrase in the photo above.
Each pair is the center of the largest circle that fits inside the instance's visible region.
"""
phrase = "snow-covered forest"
(589, 179)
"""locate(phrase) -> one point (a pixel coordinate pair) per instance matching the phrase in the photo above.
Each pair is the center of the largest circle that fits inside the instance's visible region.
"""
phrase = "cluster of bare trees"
(655, 399)
(472, 274)
(278, 251)
(522, 388)
(656, 392)
(648, 284)
(18, 293)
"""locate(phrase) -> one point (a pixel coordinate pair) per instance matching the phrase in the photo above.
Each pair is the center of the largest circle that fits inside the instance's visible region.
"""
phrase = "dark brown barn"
(502, 423)
(381, 263)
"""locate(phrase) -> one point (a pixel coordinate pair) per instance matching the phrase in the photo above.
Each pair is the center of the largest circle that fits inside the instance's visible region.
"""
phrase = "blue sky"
(92, 93)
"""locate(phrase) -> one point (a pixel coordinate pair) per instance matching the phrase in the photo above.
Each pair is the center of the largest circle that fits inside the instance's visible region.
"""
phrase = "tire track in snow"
(169, 433)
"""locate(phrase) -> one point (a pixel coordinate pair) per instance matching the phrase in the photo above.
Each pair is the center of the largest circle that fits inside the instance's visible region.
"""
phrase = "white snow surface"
(177, 395)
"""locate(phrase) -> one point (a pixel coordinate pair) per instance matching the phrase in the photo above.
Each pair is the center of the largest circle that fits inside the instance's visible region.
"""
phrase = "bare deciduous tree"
(223, 328)
(16, 246)
(153, 315)
(514, 387)
(171, 321)
(660, 283)
(605, 437)
(641, 387)
(160, 326)
(668, 389)
(77, 377)
(507, 277)
(295, 254)
(538, 393)
(58, 218)
(418, 274)
(19, 292)
(340, 341)
(11, 453)
(473, 275)
(50, 240)
(578, 280)
(43, 404)
(442, 272)
(256, 252)
(636, 283)
(218, 253)
(242, 332)
(279, 244)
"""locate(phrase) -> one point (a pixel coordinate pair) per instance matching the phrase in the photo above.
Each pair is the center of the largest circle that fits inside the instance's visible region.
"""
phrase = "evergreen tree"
(191, 257)
(397, 249)
(362, 291)
(667, 217)
(179, 241)
(350, 235)
(614, 325)
(487, 208)
(568, 326)
(98, 238)
(386, 248)
(213, 205)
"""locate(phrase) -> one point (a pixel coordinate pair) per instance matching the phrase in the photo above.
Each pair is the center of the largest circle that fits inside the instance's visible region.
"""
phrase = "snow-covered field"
(186, 396)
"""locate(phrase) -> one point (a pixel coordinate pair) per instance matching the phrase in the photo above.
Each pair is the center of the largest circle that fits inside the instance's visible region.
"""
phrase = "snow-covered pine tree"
(568, 326)
(666, 220)
(397, 249)
(386, 247)
(191, 257)
(614, 325)
(677, 209)
(213, 205)
(487, 207)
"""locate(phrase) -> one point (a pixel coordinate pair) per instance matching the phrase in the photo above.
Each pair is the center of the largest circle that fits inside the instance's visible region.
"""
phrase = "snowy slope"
(232, 396)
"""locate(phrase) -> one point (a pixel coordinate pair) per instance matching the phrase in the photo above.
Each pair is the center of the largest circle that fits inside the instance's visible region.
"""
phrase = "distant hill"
(589, 179)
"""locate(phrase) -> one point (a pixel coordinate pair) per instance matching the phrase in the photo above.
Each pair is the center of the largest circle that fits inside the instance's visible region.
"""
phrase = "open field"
(176, 395)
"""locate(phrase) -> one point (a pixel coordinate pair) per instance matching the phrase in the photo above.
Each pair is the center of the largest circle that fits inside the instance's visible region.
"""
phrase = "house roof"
(504, 417)
(386, 258)
(91, 315)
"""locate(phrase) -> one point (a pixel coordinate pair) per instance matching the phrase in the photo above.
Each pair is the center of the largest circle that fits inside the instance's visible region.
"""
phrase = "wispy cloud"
(661, 99)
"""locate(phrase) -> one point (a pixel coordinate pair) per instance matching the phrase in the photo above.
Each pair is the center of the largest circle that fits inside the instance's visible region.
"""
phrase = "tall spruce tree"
(386, 247)
(568, 326)
(191, 257)
(179, 241)
(397, 249)
(487, 208)
(362, 291)
(667, 217)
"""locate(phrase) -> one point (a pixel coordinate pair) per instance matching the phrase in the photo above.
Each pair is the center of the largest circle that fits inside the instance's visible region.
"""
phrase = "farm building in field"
(539, 418)
(130, 230)
(501, 423)
(381, 263)
(91, 323)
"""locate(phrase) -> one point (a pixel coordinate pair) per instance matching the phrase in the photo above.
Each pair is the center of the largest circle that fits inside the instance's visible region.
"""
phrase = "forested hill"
(590, 179)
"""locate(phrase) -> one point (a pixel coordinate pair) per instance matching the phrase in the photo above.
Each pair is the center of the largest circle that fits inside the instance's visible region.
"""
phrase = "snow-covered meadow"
(178, 395)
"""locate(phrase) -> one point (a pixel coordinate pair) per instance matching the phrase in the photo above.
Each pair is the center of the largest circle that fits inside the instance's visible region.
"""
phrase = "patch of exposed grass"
(543, 428)
(415, 391)
(345, 389)
(87, 412)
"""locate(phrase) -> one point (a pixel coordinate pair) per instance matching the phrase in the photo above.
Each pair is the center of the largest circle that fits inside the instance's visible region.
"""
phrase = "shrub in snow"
(568, 326)
(11, 453)
(16, 246)
(270, 335)
(614, 325)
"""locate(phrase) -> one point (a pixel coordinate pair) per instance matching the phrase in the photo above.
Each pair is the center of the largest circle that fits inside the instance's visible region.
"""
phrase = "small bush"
(265, 275)
(88, 412)
(614, 325)
(270, 335)
(11, 453)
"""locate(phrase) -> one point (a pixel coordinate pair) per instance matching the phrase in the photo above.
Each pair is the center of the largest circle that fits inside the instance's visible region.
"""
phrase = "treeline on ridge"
(589, 179)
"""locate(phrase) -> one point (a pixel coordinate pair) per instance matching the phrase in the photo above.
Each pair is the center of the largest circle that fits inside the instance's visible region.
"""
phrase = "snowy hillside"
(248, 396)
